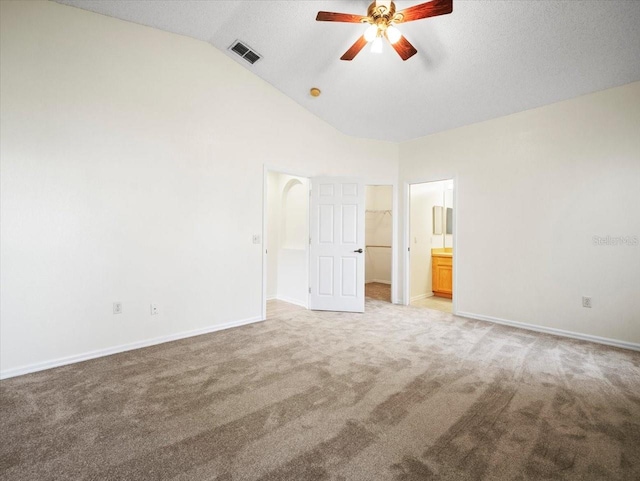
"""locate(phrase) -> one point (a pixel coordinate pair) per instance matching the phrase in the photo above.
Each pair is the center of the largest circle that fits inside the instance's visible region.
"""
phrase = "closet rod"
(379, 211)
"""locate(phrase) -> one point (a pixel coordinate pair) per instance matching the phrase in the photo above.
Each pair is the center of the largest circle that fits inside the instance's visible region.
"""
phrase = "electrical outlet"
(586, 301)
(256, 239)
(117, 307)
(154, 309)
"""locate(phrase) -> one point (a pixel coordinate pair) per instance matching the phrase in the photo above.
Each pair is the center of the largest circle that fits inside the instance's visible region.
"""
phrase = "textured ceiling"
(485, 60)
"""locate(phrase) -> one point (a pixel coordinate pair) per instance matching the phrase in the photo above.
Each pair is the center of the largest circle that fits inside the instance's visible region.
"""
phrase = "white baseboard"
(552, 330)
(63, 361)
(271, 298)
(381, 281)
(290, 300)
(420, 297)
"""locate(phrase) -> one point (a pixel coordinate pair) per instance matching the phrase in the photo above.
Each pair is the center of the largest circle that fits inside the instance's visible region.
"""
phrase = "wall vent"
(245, 52)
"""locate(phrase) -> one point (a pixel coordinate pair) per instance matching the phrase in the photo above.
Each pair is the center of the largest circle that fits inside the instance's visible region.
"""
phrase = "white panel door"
(337, 245)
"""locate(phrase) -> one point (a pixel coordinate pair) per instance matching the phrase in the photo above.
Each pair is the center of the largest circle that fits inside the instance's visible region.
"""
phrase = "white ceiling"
(485, 60)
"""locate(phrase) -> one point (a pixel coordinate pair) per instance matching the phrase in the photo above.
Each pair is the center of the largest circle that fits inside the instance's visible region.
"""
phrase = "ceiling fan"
(382, 19)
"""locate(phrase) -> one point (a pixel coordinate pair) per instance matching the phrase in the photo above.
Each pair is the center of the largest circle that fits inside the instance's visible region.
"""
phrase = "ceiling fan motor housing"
(381, 15)
(381, 11)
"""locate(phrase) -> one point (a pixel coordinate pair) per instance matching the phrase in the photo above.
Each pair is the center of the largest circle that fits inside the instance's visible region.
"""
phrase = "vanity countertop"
(446, 252)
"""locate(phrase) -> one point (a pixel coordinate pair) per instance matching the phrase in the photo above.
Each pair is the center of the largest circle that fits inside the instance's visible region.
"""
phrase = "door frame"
(265, 219)
(406, 244)
(395, 240)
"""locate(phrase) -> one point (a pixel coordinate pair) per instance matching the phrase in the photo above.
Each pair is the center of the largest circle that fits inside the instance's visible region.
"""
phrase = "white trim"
(379, 281)
(552, 330)
(263, 246)
(271, 298)
(406, 231)
(454, 259)
(290, 300)
(63, 361)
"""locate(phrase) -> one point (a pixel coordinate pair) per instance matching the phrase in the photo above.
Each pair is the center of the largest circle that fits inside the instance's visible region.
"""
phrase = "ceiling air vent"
(245, 52)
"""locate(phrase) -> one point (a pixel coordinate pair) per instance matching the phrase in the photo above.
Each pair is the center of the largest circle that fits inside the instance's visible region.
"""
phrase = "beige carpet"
(377, 290)
(398, 393)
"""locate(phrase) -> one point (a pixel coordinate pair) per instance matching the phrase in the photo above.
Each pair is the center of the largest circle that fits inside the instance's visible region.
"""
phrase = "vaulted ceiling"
(485, 60)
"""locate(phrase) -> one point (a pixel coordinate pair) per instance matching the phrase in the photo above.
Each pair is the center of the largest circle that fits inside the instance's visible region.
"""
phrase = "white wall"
(132, 171)
(378, 232)
(532, 190)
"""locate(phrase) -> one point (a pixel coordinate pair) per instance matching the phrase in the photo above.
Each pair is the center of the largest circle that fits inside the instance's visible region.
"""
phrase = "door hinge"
(309, 290)
(408, 249)
(309, 240)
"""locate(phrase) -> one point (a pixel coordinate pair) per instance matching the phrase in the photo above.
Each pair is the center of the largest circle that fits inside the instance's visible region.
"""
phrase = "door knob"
(358, 251)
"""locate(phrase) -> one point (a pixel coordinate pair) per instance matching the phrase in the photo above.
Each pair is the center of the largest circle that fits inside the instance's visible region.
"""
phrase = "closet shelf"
(388, 247)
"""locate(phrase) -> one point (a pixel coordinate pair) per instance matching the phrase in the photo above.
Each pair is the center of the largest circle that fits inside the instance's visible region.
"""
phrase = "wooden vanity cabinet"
(442, 275)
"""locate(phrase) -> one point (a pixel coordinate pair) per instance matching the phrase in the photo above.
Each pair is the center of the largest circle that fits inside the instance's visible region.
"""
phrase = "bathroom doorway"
(378, 242)
(430, 250)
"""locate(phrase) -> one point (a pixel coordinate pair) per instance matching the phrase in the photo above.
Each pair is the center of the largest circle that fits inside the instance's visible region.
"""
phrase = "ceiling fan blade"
(404, 48)
(339, 17)
(355, 49)
(426, 10)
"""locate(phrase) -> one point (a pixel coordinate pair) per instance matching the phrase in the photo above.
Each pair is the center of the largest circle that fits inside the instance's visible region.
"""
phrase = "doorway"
(303, 216)
(378, 242)
(287, 238)
(430, 251)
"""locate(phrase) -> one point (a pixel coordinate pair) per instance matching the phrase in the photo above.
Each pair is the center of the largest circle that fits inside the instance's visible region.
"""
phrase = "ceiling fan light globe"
(393, 34)
(371, 33)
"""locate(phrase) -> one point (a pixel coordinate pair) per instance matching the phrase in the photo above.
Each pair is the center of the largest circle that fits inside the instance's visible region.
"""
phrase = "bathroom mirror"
(437, 219)
(449, 221)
